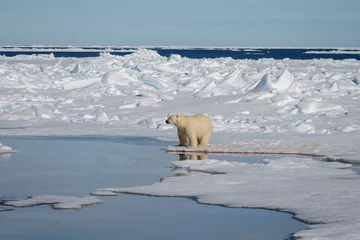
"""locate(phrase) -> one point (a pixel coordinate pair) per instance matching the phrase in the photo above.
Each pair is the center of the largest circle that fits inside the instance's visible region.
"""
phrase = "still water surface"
(79, 165)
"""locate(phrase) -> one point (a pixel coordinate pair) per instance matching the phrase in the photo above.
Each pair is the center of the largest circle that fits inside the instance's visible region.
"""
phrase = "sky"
(270, 23)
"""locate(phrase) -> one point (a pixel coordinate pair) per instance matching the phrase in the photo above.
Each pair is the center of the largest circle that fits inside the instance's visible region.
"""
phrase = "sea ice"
(6, 149)
(80, 83)
(117, 78)
(56, 202)
(324, 194)
(264, 85)
(284, 81)
(262, 106)
(307, 107)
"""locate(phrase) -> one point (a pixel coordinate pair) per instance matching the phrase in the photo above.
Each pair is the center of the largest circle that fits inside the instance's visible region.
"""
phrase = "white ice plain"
(322, 193)
(304, 106)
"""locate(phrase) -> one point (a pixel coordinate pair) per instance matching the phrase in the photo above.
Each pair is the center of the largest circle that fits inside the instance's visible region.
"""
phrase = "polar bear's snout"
(171, 120)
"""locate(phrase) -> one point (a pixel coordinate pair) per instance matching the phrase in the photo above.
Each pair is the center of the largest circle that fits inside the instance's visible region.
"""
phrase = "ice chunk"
(129, 64)
(205, 91)
(284, 81)
(307, 107)
(6, 149)
(154, 82)
(175, 58)
(148, 102)
(103, 193)
(100, 116)
(57, 202)
(166, 67)
(117, 78)
(6, 106)
(303, 127)
(357, 79)
(334, 87)
(76, 69)
(114, 118)
(148, 123)
(130, 105)
(282, 99)
(264, 84)
(166, 97)
(235, 79)
(80, 83)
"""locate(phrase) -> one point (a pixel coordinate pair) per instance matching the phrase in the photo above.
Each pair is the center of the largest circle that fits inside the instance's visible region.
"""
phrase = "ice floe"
(324, 194)
(6, 149)
(56, 202)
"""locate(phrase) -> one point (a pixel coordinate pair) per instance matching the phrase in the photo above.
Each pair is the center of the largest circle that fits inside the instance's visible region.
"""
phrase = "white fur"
(197, 129)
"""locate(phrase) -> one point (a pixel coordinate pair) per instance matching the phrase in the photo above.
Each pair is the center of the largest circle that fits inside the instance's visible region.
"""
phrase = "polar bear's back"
(199, 122)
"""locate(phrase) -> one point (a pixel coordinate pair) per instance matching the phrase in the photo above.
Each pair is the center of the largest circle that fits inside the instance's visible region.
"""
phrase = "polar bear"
(195, 128)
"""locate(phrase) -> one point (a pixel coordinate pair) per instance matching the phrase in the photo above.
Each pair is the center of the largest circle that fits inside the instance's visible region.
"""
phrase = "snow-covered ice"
(322, 193)
(265, 105)
(56, 202)
(299, 102)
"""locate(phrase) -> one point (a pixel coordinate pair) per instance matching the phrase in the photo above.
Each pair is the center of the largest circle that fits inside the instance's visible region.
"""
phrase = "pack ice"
(303, 103)
(304, 106)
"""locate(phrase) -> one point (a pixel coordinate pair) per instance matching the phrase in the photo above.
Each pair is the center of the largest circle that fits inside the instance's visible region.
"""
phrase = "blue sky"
(276, 23)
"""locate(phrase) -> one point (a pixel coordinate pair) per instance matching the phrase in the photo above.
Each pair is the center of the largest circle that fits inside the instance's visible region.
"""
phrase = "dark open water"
(238, 53)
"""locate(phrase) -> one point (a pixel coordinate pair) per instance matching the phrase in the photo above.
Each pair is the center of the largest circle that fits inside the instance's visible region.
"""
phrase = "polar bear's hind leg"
(205, 140)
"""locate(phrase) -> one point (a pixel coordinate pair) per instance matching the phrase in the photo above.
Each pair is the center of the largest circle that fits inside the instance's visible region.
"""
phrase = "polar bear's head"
(173, 119)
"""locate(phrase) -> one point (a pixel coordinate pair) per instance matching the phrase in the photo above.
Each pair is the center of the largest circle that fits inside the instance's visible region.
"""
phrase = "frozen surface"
(266, 105)
(301, 103)
(57, 202)
(325, 194)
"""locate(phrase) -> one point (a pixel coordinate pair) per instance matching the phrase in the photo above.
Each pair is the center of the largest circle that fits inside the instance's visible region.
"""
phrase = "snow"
(263, 106)
(56, 202)
(117, 78)
(295, 101)
(285, 184)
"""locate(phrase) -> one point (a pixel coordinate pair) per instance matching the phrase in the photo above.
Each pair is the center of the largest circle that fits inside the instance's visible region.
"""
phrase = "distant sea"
(235, 53)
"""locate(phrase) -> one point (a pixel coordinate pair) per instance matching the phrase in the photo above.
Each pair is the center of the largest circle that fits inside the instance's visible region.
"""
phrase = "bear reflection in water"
(180, 172)
(199, 156)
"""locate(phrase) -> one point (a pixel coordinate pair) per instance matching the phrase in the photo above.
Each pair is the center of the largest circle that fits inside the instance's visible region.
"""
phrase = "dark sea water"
(235, 53)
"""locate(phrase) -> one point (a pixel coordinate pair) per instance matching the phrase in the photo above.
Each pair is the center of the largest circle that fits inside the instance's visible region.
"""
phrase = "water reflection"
(5, 157)
(75, 166)
(181, 172)
(199, 156)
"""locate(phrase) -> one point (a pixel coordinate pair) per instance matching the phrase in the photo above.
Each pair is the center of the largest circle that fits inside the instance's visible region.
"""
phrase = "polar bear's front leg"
(182, 138)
